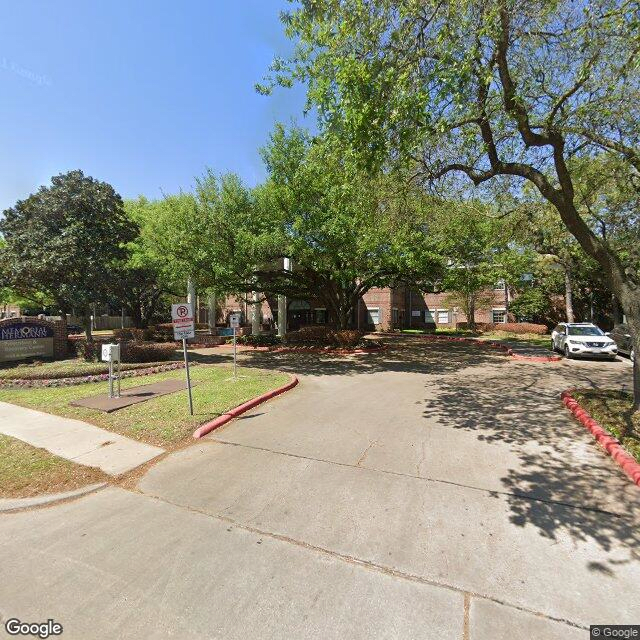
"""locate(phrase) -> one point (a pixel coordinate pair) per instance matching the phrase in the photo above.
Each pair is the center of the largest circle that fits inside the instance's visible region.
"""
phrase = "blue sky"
(142, 94)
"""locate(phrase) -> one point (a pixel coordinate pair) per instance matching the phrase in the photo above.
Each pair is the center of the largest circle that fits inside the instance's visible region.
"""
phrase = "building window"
(394, 315)
(374, 316)
(321, 316)
(499, 286)
(428, 317)
(443, 316)
(498, 316)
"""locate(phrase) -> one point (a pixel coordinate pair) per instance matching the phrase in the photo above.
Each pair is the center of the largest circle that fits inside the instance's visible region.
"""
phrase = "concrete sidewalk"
(75, 440)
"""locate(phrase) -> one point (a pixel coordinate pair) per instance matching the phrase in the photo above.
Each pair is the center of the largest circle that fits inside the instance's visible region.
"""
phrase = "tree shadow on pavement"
(562, 483)
(404, 354)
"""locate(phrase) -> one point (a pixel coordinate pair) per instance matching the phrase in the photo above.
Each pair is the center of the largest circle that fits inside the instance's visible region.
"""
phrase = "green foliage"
(66, 241)
(260, 340)
(345, 230)
(529, 304)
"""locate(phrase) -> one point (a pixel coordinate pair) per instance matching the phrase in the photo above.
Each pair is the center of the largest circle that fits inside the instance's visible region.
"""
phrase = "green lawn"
(67, 369)
(532, 339)
(612, 409)
(163, 421)
(27, 471)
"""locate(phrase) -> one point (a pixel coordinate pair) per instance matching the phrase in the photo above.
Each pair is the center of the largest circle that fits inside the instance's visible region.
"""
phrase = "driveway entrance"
(431, 491)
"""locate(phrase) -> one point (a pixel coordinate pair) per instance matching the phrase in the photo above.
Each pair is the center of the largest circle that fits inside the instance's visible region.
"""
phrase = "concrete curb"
(208, 427)
(495, 345)
(610, 444)
(15, 504)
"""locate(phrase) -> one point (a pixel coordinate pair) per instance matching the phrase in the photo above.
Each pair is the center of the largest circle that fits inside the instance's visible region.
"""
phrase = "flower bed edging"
(610, 444)
(495, 345)
(22, 383)
(208, 427)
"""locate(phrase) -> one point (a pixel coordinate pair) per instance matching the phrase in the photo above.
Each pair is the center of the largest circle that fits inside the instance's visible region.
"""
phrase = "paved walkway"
(435, 491)
(75, 440)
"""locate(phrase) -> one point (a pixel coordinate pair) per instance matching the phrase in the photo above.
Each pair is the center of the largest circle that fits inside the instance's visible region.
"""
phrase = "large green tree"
(478, 252)
(501, 92)
(343, 230)
(66, 242)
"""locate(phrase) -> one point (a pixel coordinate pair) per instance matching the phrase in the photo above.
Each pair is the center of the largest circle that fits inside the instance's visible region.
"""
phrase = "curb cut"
(7, 505)
(208, 427)
(610, 444)
(495, 345)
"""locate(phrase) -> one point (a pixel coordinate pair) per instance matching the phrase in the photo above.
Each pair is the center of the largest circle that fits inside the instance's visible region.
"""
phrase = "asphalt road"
(433, 491)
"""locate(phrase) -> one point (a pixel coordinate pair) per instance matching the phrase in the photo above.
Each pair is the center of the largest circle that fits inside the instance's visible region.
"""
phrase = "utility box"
(111, 353)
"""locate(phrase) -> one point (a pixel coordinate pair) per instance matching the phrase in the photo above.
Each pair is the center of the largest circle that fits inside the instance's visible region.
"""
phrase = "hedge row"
(129, 351)
(68, 382)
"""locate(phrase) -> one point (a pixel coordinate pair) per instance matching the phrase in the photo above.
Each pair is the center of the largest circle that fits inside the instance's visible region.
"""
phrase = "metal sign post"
(234, 321)
(183, 328)
(186, 366)
(111, 354)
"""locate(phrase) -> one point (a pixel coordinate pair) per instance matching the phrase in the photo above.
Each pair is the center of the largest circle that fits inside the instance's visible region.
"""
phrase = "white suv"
(582, 339)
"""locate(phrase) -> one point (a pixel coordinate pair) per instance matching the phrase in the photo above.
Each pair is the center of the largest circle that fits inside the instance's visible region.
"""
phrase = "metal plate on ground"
(103, 402)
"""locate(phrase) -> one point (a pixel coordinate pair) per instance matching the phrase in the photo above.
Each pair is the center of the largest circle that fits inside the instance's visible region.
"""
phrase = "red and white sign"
(183, 321)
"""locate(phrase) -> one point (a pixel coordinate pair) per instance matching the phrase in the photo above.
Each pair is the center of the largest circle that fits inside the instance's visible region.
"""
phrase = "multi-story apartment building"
(379, 309)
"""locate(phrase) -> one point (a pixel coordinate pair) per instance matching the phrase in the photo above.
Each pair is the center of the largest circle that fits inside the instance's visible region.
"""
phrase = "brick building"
(379, 309)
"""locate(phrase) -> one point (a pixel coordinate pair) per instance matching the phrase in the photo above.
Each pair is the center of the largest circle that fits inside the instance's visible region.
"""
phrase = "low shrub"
(517, 327)
(325, 337)
(135, 335)
(88, 351)
(310, 335)
(260, 340)
(147, 351)
(346, 337)
(162, 333)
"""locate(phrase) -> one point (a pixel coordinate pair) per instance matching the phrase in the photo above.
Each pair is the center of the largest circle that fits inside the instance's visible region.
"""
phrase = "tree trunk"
(213, 307)
(568, 294)
(616, 312)
(87, 326)
(471, 316)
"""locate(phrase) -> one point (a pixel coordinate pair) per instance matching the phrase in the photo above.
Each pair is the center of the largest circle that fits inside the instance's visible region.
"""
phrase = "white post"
(212, 313)
(191, 295)
(255, 315)
(282, 305)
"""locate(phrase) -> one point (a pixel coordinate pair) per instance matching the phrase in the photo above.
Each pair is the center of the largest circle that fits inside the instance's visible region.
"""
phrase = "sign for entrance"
(20, 340)
(183, 321)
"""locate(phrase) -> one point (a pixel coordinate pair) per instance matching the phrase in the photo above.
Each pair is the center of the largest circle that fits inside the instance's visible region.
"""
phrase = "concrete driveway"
(437, 490)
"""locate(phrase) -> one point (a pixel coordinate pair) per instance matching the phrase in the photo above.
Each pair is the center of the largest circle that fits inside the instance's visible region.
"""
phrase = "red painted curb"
(610, 444)
(494, 345)
(207, 427)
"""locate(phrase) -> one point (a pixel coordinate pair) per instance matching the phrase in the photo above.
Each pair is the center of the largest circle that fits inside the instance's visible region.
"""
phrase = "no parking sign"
(183, 321)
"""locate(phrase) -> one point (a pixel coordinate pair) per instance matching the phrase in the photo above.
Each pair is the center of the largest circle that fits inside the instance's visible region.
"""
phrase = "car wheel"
(567, 353)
